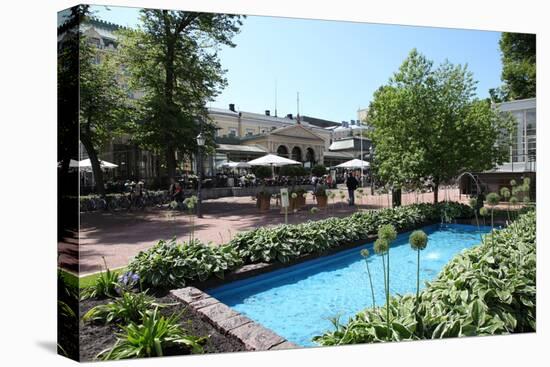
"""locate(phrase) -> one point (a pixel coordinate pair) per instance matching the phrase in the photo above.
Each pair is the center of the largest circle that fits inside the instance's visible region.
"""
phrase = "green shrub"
(473, 295)
(128, 308)
(105, 286)
(286, 242)
(156, 336)
(319, 170)
(169, 265)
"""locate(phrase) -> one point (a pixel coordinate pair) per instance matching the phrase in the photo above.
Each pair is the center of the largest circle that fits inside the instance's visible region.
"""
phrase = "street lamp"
(371, 170)
(200, 144)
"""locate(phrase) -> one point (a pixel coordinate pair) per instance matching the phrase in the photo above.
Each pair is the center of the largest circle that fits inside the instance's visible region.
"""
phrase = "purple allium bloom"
(135, 277)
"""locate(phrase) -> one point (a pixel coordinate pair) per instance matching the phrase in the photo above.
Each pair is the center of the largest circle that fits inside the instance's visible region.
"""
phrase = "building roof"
(351, 143)
(319, 122)
(343, 155)
(240, 148)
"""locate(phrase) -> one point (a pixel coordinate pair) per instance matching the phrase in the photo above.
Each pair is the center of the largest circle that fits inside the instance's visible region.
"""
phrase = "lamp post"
(371, 170)
(200, 144)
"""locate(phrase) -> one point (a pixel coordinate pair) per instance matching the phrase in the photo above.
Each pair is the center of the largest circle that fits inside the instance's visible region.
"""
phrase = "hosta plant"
(473, 295)
(154, 336)
(169, 265)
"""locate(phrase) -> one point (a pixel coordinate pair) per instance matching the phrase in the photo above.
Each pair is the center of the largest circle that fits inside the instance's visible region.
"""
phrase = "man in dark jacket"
(351, 183)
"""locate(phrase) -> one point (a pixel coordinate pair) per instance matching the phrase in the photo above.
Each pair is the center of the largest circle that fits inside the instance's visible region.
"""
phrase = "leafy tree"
(172, 59)
(104, 105)
(428, 125)
(519, 68)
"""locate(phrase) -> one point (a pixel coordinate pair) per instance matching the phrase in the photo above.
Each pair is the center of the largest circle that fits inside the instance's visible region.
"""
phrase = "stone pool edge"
(253, 335)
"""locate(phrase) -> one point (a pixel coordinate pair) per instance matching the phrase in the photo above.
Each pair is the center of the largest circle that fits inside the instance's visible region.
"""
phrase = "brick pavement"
(120, 236)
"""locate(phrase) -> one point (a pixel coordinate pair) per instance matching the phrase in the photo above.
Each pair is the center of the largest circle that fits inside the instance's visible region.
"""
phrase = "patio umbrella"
(238, 165)
(354, 163)
(273, 161)
(87, 164)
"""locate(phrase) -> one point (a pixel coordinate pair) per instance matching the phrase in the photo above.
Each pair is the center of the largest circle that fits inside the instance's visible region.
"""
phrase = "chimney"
(344, 123)
(352, 122)
(267, 113)
(232, 107)
(289, 116)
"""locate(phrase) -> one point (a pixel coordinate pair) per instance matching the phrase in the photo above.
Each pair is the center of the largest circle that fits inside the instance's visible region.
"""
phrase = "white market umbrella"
(239, 165)
(273, 161)
(354, 163)
(87, 164)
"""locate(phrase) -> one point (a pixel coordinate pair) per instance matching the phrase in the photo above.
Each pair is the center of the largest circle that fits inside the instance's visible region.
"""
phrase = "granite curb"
(253, 335)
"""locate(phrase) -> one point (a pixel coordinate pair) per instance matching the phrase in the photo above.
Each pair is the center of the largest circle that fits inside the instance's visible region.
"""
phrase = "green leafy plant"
(105, 286)
(191, 203)
(169, 265)
(128, 308)
(155, 336)
(386, 235)
(492, 200)
(473, 204)
(418, 241)
(472, 295)
(319, 170)
(365, 253)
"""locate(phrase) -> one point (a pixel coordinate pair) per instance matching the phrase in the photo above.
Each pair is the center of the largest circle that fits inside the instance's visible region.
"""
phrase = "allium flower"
(418, 240)
(387, 232)
(381, 246)
(294, 195)
(365, 253)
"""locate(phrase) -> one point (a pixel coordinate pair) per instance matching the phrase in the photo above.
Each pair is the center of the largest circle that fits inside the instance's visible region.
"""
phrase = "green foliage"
(286, 242)
(104, 106)
(493, 199)
(156, 336)
(473, 295)
(519, 68)
(319, 170)
(294, 170)
(514, 200)
(381, 246)
(262, 172)
(428, 124)
(387, 232)
(483, 211)
(128, 308)
(418, 240)
(105, 285)
(169, 265)
(505, 192)
(172, 59)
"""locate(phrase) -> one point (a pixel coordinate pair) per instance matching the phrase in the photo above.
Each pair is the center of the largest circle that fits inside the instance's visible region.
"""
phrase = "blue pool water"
(297, 302)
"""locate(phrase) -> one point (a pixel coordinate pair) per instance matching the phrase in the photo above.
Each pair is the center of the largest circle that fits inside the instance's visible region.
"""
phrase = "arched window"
(310, 155)
(282, 151)
(297, 154)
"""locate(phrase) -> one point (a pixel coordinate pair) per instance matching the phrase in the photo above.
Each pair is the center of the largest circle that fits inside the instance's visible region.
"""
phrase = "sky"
(335, 66)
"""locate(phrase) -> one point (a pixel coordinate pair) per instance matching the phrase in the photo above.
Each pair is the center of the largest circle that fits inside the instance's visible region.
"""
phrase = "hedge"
(171, 265)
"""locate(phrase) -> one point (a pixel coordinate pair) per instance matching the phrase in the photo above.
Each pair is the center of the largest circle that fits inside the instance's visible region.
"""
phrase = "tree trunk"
(396, 197)
(170, 162)
(436, 191)
(96, 166)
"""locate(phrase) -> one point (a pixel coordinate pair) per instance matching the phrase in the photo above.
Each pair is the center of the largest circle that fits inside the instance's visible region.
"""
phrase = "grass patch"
(85, 281)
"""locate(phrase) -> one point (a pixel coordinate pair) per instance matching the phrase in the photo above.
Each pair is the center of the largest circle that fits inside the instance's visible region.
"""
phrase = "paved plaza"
(119, 236)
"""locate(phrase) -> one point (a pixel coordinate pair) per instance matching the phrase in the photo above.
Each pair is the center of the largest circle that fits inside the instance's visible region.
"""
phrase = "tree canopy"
(104, 104)
(428, 125)
(172, 59)
(519, 68)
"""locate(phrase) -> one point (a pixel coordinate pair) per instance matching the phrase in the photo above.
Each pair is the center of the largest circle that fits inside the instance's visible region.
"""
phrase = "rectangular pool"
(297, 302)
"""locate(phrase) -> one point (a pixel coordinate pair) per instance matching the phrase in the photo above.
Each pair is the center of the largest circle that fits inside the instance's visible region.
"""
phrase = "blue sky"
(336, 66)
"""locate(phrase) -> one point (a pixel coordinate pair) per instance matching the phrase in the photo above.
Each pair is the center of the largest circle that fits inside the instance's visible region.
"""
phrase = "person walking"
(351, 183)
